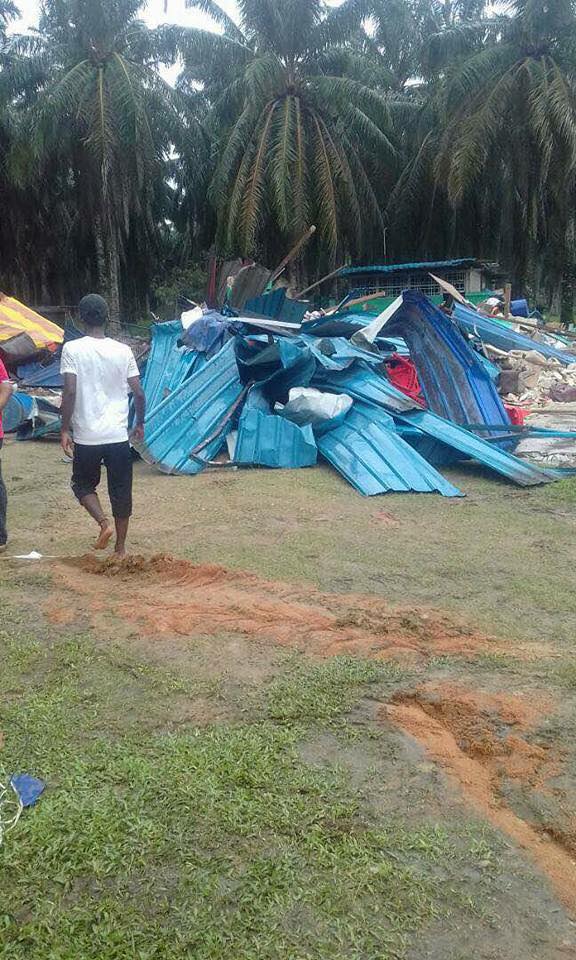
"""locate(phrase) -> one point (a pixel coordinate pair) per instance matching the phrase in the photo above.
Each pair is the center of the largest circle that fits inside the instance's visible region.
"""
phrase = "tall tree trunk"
(45, 296)
(100, 253)
(567, 296)
(114, 281)
(106, 243)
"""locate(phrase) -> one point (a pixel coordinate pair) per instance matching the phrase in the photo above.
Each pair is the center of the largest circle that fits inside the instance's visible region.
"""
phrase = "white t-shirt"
(102, 367)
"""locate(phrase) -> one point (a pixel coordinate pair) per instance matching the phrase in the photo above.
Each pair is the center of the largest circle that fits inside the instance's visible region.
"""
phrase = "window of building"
(394, 285)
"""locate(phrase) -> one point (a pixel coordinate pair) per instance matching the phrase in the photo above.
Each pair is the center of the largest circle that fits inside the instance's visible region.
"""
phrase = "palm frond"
(282, 159)
(252, 206)
(219, 16)
(326, 191)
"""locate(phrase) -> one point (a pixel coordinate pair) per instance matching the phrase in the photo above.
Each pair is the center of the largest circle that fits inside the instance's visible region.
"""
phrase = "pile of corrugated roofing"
(265, 389)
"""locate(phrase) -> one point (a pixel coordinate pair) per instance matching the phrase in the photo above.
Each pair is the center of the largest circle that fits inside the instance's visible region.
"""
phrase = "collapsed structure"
(387, 399)
(387, 403)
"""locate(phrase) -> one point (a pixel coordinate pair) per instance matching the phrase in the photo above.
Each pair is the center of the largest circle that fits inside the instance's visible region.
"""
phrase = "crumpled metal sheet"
(454, 382)
(191, 414)
(337, 353)
(276, 367)
(485, 451)
(249, 282)
(168, 365)
(48, 376)
(277, 306)
(362, 383)
(490, 331)
(368, 452)
(273, 441)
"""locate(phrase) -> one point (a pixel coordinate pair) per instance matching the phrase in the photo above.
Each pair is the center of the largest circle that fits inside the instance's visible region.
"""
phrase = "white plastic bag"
(308, 405)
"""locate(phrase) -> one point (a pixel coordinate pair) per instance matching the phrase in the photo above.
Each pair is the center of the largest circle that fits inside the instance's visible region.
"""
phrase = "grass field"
(320, 727)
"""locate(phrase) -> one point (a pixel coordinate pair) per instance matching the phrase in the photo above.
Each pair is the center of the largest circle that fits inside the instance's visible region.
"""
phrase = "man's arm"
(140, 405)
(5, 393)
(66, 411)
(5, 386)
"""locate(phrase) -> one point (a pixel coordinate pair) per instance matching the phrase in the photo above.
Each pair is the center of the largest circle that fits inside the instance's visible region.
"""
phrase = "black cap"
(93, 310)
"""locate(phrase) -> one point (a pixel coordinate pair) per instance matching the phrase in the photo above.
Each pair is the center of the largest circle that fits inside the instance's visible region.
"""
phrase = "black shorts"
(86, 471)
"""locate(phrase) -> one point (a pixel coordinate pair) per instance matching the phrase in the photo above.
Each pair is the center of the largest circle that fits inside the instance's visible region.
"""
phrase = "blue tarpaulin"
(207, 334)
(37, 375)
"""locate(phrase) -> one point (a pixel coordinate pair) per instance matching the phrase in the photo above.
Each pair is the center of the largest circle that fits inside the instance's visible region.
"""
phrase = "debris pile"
(536, 377)
(33, 412)
(530, 379)
(386, 401)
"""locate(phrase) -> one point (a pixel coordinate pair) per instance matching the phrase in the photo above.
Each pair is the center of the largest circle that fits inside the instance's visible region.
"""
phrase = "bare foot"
(120, 552)
(104, 537)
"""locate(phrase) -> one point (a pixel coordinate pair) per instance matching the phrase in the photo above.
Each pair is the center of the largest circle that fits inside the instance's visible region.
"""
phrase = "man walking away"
(5, 394)
(98, 374)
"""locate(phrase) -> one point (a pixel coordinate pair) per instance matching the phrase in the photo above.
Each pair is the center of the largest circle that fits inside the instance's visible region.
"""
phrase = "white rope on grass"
(11, 805)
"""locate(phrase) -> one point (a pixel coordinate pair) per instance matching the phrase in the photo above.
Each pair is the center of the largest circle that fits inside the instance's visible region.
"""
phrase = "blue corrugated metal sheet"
(520, 471)
(344, 325)
(273, 441)
(454, 382)
(276, 306)
(362, 383)
(275, 367)
(191, 414)
(490, 331)
(337, 353)
(419, 265)
(368, 452)
(168, 365)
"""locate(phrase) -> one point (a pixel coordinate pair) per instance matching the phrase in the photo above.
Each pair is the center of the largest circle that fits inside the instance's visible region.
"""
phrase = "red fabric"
(517, 414)
(402, 373)
(3, 378)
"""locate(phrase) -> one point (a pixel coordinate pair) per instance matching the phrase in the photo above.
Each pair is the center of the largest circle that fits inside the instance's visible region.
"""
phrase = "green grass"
(326, 691)
(209, 842)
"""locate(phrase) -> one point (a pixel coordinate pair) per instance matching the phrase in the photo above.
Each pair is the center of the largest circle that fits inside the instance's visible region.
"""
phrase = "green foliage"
(295, 126)
(452, 129)
(189, 282)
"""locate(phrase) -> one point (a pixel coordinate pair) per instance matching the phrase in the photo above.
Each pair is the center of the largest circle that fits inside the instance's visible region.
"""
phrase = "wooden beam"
(292, 253)
(318, 282)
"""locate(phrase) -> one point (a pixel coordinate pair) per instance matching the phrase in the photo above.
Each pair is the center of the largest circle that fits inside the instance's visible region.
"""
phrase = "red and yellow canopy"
(16, 318)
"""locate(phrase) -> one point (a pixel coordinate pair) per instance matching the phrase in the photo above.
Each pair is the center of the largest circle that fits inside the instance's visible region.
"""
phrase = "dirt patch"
(387, 519)
(57, 614)
(479, 739)
(166, 596)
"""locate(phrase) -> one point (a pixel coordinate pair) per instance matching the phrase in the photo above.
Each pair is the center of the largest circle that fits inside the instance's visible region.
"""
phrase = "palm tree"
(509, 109)
(302, 125)
(102, 111)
